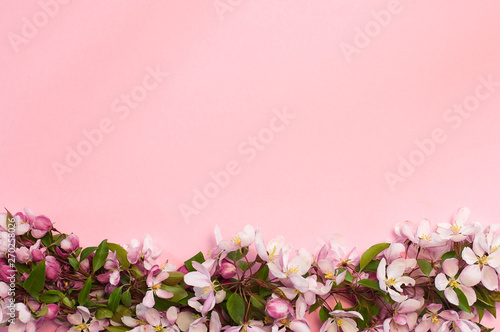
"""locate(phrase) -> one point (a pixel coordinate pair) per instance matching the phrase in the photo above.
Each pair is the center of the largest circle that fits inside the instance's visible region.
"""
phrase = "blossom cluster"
(430, 278)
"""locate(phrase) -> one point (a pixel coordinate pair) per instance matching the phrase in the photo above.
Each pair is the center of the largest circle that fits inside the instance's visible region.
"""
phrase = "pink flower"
(52, 311)
(242, 239)
(278, 308)
(483, 261)
(341, 321)
(22, 224)
(448, 281)
(70, 243)
(143, 252)
(431, 320)
(81, 321)
(52, 268)
(459, 322)
(40, 224)
(154, 282)
(458, 231)
(404, 317)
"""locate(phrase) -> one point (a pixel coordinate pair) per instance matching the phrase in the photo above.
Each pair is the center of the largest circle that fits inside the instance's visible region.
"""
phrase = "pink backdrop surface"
(317, 117)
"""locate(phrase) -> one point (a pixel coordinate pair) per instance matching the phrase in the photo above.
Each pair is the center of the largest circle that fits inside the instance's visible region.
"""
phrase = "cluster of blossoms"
(429, 279)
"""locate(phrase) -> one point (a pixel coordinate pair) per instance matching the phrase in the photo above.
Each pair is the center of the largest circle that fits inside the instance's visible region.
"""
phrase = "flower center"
(207, 289)
(455, 228)
(293, 269)
(483, 260)
(155, 287)
(340, 322)
(425, 237)
(158, 328)
(435, 319)
(81, 327)
(453, 283)
(237, 240)
(272, 254)
(328, 274)
(390, 282)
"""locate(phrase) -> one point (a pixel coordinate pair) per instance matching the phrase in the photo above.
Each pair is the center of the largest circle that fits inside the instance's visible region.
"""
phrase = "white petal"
(441, 282)
(471, 275)
(489, 278)
(450, 267)
(469, 256)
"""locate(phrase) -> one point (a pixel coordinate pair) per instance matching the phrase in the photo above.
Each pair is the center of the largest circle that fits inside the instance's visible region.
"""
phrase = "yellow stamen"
(237, 240)
(272, 254)
(483, 260)
(455, 228)
(328, 274)
(293, 269)
(81, 327)
(425, 237)
(158, 328)
(155, 287)
(390, 282)
(453, 283)
(495, 248)
(435, 320)
(340, 322)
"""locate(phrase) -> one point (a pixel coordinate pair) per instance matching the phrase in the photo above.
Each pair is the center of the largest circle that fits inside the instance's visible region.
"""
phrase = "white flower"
(391, 280)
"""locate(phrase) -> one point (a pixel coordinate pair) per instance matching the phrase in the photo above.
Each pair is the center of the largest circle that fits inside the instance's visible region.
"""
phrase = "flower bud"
(22, 255)
(70, 243)
(227, 270)
(38, 255)
(52, 268)
(42, 223)
(278, 308)
(52, 310)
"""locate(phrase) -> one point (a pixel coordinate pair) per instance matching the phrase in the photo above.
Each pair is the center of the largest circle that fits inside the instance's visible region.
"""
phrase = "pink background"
(324, 173)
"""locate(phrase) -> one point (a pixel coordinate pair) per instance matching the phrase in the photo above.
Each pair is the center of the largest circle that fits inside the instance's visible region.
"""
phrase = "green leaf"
(114, 298)
(103, 313)
(371, 253)
(100, 255)
(323, 314)
(74, 263)
(67, 302)
(197, 258)
(449, 254)
(263, 273)
(243, 265)
(121, 254)
(178, 290)
(369, 283)
(372, 266)
(235, 255)
(36, 279)
(51, 297)
(494, 296)
(83, 297)
(462, 300)
(257, 301)
(174, 277)
(117, 328)
(236, 308)
(87, 252)
(425, 266)
(127, 298)
(483, 296)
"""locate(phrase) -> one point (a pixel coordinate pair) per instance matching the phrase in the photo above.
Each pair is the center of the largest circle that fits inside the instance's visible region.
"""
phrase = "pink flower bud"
(38, 255)
(52, 310)
(22, 255)
(42, 223)
(52, 268)
(278, 308)
(70, 243)
(227, 270)
(85, 265)
(6, 272)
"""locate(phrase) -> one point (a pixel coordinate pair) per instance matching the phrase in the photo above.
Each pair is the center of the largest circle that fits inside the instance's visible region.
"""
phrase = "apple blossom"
(391, 280)
(448, 281)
